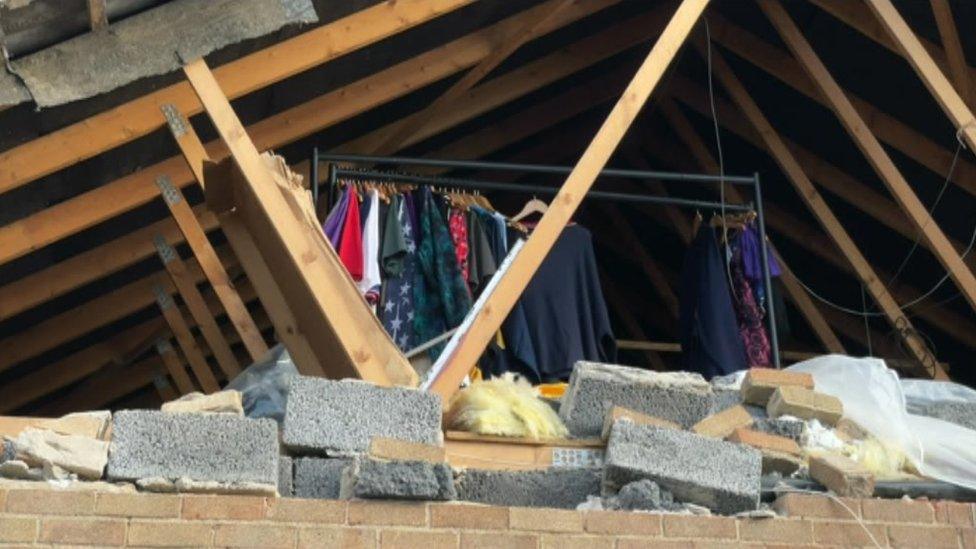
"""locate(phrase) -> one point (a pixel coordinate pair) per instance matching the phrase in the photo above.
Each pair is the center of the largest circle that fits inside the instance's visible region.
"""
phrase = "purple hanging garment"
(335, 220)
(752, 263)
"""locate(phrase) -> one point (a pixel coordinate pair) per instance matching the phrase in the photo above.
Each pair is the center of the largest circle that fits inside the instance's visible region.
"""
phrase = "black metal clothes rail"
(337, 170)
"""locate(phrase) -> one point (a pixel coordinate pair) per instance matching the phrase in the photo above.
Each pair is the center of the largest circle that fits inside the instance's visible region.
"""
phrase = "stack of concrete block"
(722, 476)
(396, 469)
(682, 397)
(340, 418)
(561, 487)
(318, 478)
(218, 448)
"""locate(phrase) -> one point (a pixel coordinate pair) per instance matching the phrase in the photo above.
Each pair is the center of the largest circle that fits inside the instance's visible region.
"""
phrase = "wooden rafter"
(506, 47)
(487, 320)
(942, 11)
(174, 366)
(83, 211)
(823, 213)
(139, 117)
(97, 15)
(933, 78)
(872, 149)
(188, 343)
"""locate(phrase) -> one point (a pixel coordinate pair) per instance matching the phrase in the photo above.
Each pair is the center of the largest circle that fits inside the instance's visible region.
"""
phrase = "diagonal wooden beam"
(889, 129)
(83, 211)
(97, 16)
(503, 50)
(486, 320)
(212, 268)
(175, 367)
(164, 388)
(872, 149)
(822, 211)
(942, 11)
(188, 343)
(933, 78)
(187, 288)
(139, 117)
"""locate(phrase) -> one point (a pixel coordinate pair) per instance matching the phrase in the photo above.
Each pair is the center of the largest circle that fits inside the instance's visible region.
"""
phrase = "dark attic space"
(596, 272)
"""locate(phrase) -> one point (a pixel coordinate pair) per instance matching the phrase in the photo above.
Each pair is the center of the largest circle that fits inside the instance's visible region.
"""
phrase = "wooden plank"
(487, 320)
(213, 269)
(175, 367)
(871, 147)
(933, 78)
(188, 344)
(165, 389)
(889, 129)
(83, 211)
(97, 16)
(139, 117)
(666, 347)
(307, 260)
(503, 454)
(186, 286)
(76, 271)
(949, 34)
(505, 48)
(243, 245)
(787, 162)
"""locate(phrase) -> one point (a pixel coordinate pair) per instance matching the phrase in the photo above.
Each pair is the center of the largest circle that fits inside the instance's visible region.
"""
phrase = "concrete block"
(759, 384)
(618, 412)
(341, 417)
(286, 477)
(790, 428)
(805, 404)
(722, 476)
(779, 454)
(554, 487)
(84, 456)
(369, 478)
(319, 478)
(401, 450)
(643, 495)
(842, 475)
(725, 398)
(6, 450)
(682, 397)
(221, 402)
(218, 447)
(722, 424)
(960, 413)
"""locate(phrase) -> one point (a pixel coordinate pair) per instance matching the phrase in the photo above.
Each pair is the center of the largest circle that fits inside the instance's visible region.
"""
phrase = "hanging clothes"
(445, 299)
(749, 315)
(369, 286)
(561, 317)
(710, 339)
(332, 227)
(481, 260)
(396, 309)
(459, 235)
(351, 242)
(752, 263)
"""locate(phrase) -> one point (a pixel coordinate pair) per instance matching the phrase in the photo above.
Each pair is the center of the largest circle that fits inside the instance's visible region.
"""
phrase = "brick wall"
(44, 517)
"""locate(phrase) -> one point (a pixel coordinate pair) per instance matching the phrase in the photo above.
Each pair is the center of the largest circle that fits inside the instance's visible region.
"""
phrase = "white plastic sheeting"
(874, 398)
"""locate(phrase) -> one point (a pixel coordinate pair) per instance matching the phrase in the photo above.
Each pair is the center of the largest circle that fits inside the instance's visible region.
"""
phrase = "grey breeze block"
(682, 397)
(560, 487)
(214, 447)
(722, 476)
(400, 479)
(341, 417)
(319, 478)
(286, 477)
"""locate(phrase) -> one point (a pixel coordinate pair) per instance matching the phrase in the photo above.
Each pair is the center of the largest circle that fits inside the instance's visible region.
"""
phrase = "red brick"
(808, 505)
(169, 533)
(17, 529)
(952, 512)
(328, 537)
(84, 531)
(263, 535)
(968, 536)
(545, 520)
(622, 523)
(765, 441)
(842, 475)
(776, 530)
(724, 423)
(51, 502)
(474, 517)
(393, 449)
(415, 539)
(644, 543)
(683, 526)
(137, 505)
(760, 383)
(849, 533)
(897, 510)
(914, 535)
(498, 540)
(387, 513)
(225, 507)
(563, 541)
(619, 412)
(805, 404)
(307, 510)
(3, 499)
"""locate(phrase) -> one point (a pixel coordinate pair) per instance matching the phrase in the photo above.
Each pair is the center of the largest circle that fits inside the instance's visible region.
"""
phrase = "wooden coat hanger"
(532, 206)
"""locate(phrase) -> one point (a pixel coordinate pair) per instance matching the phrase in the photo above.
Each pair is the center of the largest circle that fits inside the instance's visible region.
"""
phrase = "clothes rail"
(337, 168)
